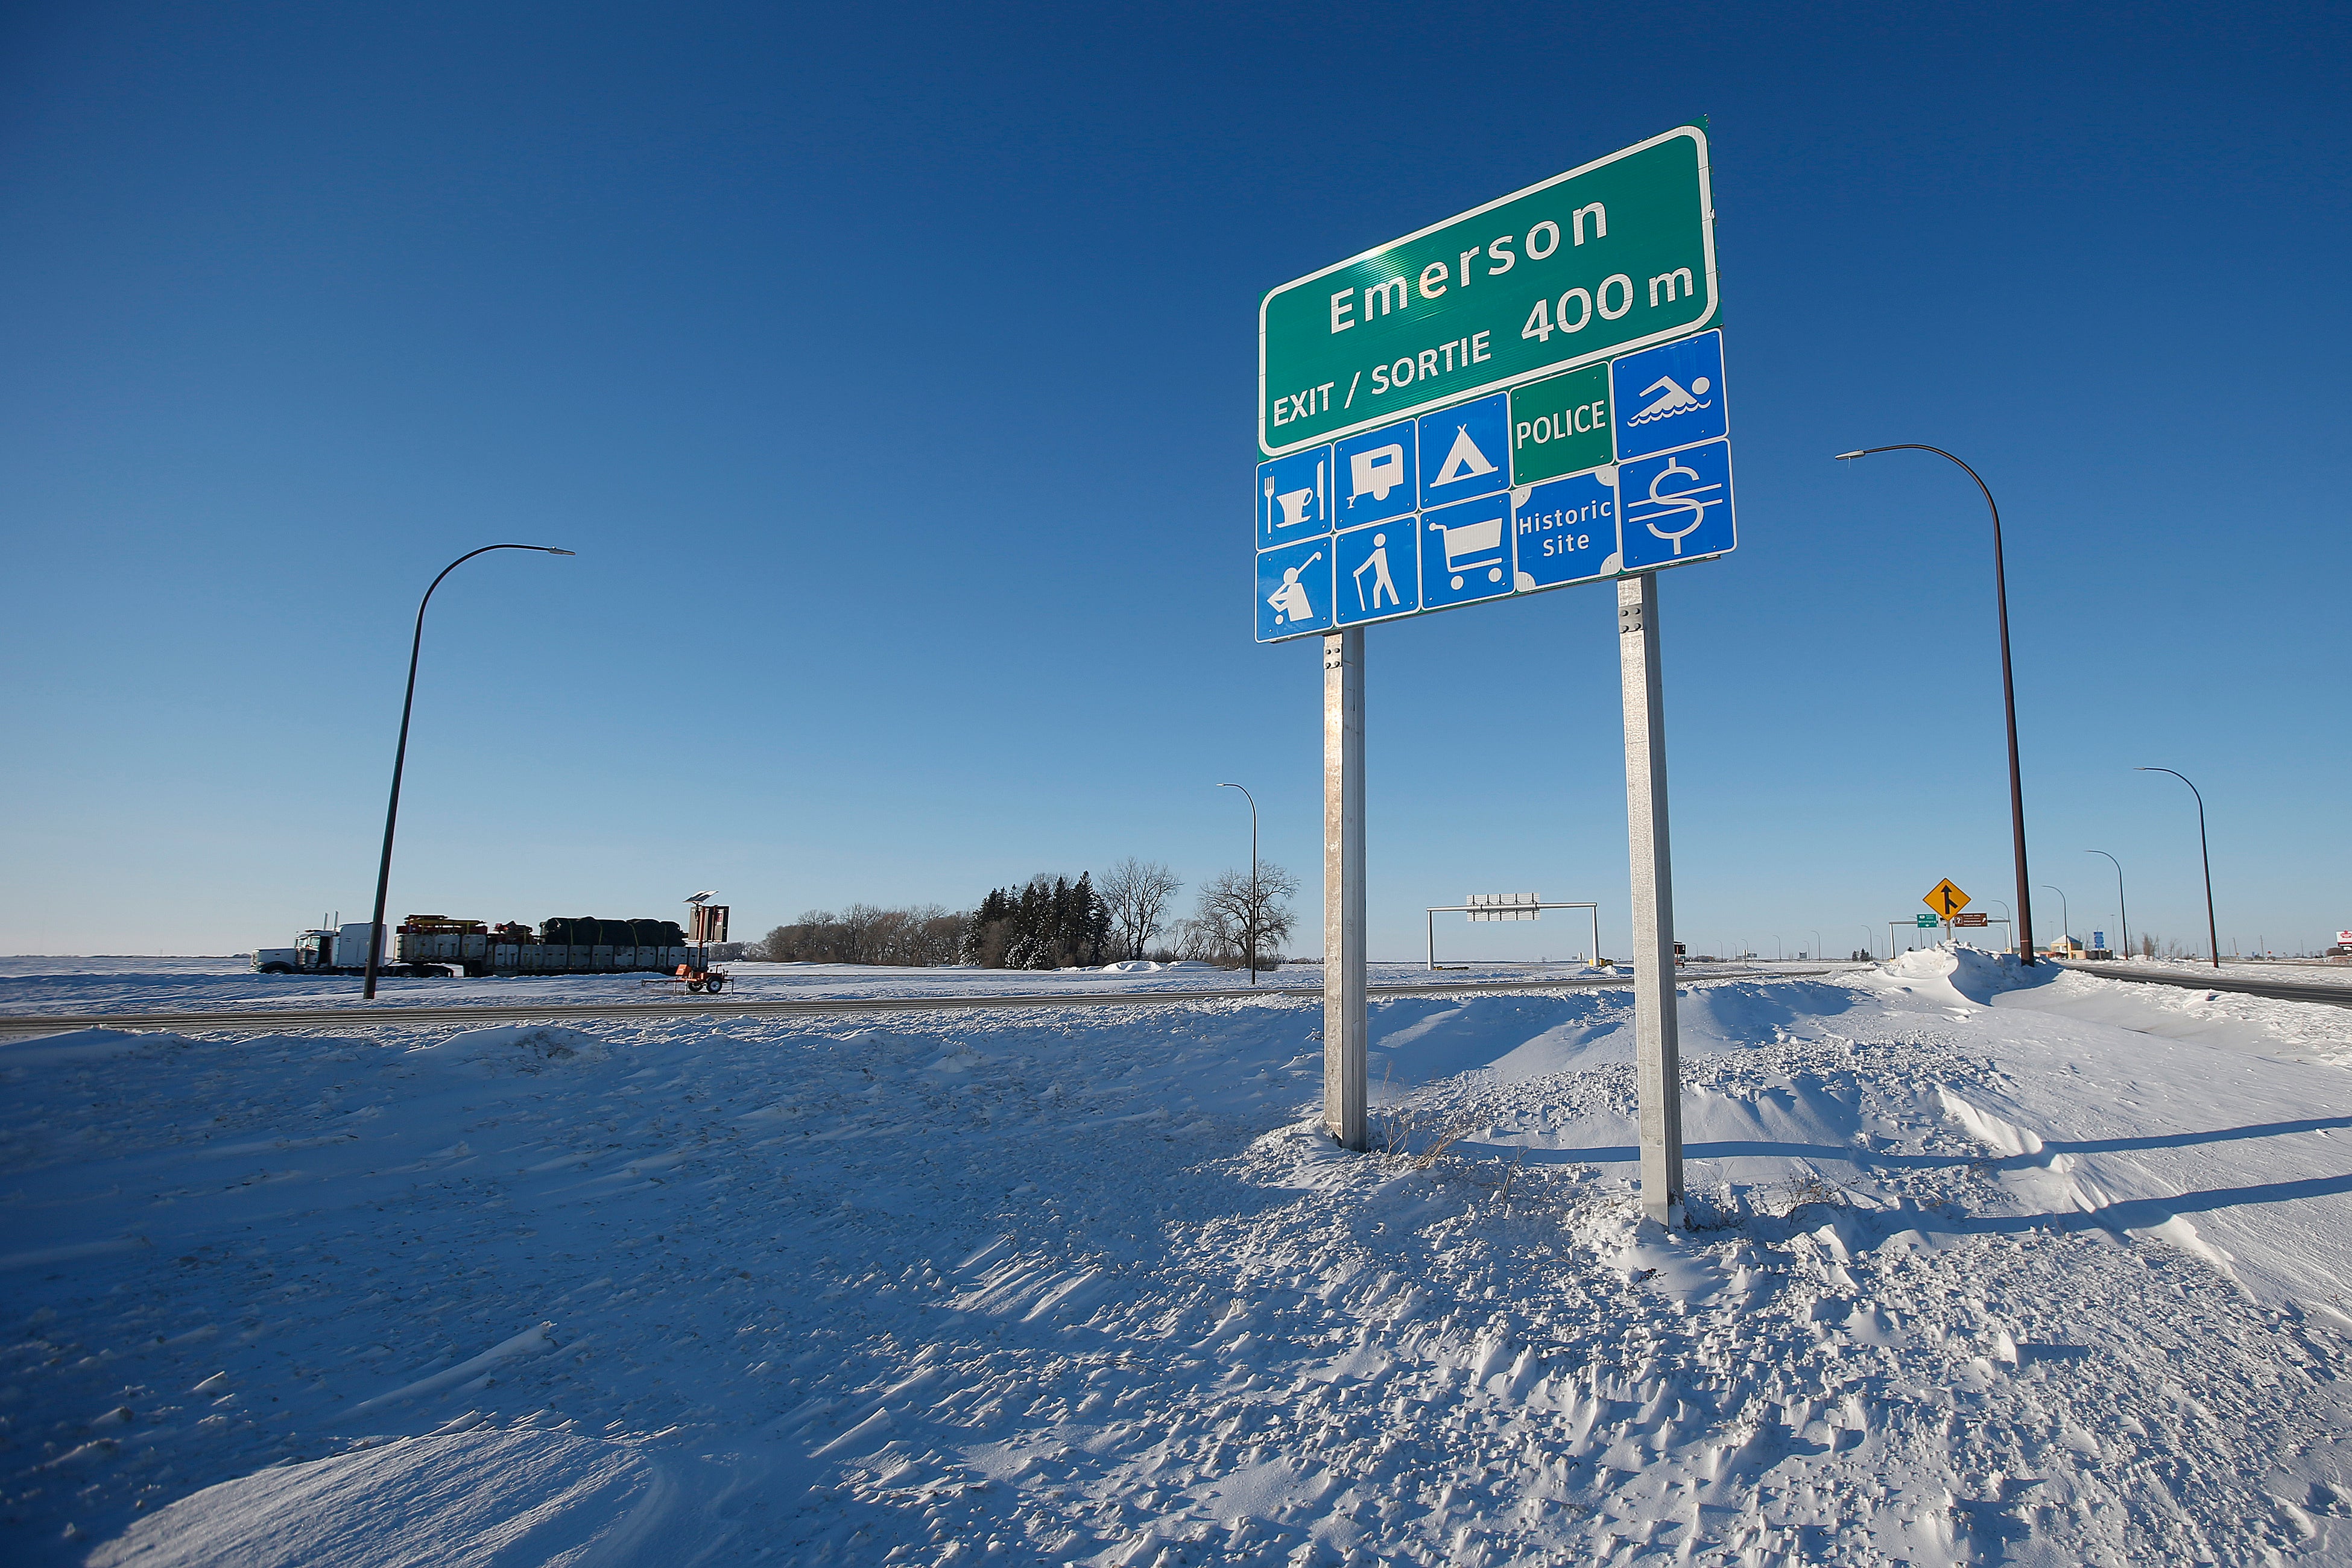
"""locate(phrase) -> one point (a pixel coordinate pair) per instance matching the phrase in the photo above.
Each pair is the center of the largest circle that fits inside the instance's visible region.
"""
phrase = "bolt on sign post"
(1523, 397)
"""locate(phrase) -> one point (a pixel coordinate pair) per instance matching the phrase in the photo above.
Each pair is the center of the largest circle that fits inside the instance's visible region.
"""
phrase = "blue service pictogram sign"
(1294, 499)
(1466, 551)
(1465, 451)
(1376, 570)
(1294, 589)
(1424, 514)
(1564, 530)
(1669, 396)
(1375, 476)
(1676, 507)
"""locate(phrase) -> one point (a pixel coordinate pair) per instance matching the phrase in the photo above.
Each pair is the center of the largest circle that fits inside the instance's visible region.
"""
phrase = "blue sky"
(892, 372)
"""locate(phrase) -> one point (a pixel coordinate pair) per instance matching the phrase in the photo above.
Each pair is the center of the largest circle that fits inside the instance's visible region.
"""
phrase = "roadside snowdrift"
(1965, 1279)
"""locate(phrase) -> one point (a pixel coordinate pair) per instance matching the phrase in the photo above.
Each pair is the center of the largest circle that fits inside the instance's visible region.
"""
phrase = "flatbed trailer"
(437, 947)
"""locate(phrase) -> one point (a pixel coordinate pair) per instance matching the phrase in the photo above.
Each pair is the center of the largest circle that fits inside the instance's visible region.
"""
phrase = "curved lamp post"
(2213, 943)
(2065, 920)
(1870, 942)
(1818, 955)
(1249, 924)
(2121, 908)
(400, 756)
(2008, 686)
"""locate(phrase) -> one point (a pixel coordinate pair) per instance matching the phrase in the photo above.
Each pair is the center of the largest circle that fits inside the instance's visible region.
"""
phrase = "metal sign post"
(1344, 1019)
(1528, 396)
(1657, 1044)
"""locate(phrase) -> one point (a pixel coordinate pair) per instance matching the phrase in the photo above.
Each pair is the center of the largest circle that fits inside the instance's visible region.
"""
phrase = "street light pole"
(1249, 922)
(1870, 944)
(2007, 688)
(2065, 920)
(400, 757)
(2213, 942)
(2121, 908)
(1817, 947)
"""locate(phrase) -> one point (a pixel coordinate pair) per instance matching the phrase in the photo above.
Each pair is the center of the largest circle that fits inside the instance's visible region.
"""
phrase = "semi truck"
(437, 946)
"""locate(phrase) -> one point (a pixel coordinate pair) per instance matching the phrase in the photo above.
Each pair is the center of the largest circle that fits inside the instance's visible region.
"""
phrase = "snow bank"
(78, 1046)
(1965, 1282)
(478, 1498)
(1968, 974)
(514, 1049)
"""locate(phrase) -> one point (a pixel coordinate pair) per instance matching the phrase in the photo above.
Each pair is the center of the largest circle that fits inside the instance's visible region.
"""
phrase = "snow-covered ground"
(2056, 1274)
(44, 987)
(2294, 971)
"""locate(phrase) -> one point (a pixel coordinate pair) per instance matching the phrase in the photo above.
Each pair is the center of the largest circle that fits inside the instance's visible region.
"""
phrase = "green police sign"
(1561, 424)
(1604, 259)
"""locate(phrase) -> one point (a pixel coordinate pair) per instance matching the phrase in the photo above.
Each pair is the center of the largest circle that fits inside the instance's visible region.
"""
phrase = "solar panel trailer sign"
(1528, 396)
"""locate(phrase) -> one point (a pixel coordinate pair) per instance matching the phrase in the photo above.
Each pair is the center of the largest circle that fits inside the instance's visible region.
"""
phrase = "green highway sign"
(1593, 263)
(1561, 424)
(1927, 919)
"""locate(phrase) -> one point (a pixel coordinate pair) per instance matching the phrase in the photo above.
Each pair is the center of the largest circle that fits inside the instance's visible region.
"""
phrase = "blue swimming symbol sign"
(1669, 396)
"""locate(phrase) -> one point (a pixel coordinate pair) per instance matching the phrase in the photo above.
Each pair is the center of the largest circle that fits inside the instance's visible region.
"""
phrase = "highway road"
(2281, 990)
(397, 1016)
(394, 1015)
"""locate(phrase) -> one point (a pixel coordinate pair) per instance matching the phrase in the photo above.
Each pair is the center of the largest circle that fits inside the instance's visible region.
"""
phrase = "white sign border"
(1388, 417)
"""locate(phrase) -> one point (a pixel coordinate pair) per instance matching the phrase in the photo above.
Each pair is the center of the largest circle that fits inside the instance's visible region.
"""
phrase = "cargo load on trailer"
(438, 946)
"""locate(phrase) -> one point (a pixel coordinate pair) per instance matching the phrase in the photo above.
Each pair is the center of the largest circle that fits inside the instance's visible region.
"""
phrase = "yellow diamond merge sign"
(1945, 899)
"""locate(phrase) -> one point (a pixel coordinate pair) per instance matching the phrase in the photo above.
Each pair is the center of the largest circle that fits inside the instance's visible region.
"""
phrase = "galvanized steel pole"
(1344, 1019)
(1249, 922)
(1658, 1052)
(2008, 689)
(2065, 919)
(2213, 942)
(400, 757)
(2121, 908)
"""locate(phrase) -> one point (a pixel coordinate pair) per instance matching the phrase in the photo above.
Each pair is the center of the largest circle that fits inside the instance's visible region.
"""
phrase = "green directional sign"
(1561, 424)
(1927, 919)
(1601, 260)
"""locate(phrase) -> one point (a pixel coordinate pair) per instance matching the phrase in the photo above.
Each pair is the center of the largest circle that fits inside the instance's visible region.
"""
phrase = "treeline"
(919, 937)
(1053, 923)
(1048, 922)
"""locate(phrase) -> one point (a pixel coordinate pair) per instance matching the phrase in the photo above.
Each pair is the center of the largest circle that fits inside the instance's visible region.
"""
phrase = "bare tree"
(1138, 892)
(925, 935)
(1237, 914)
